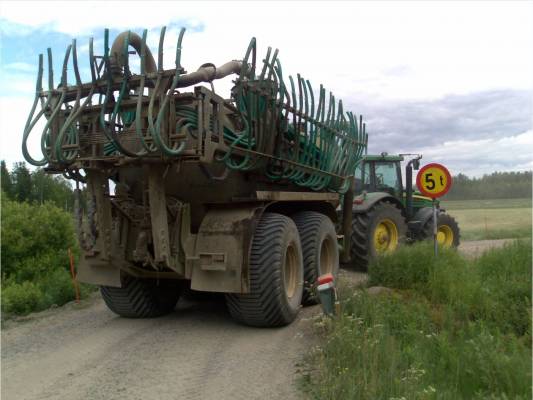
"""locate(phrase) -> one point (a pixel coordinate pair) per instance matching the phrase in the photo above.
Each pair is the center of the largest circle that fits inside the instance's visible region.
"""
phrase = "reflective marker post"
(327, 294)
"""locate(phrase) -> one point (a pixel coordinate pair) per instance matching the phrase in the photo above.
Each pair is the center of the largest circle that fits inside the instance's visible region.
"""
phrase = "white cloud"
(19, 85)
(478, 157)
(349, 46)
(13, 114)
(369, 51)
(20, 67)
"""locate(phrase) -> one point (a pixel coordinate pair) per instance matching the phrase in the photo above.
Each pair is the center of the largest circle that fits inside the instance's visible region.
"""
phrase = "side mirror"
(416, 165)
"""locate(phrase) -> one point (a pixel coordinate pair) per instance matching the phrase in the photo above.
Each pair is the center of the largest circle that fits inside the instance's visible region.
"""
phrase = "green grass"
(451, 329)
(491, 219)
(485, 204)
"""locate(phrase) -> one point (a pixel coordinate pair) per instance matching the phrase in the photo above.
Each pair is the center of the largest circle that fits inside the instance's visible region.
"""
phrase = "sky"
(450, 80)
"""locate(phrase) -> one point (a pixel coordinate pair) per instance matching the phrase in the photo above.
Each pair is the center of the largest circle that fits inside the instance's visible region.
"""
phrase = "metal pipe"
(209, 73)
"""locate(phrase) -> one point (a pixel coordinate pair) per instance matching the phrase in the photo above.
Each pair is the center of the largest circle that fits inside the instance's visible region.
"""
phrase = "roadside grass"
(491, 219)
(450, 328)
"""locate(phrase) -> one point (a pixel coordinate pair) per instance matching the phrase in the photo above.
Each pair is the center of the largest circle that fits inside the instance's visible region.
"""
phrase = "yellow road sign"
(434, 180)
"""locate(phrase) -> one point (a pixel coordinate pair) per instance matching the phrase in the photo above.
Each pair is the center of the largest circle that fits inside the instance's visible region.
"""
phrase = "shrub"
(34, 238)
(35, 263)
(21, 298)
(57, 288)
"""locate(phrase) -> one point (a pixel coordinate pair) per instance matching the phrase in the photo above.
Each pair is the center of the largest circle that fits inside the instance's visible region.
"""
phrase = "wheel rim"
(445, 236)
(327, 256)
(385, 236)
(290, 271)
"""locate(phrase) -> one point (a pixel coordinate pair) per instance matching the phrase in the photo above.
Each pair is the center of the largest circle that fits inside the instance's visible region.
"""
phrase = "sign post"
(434, 180)
(435, 228)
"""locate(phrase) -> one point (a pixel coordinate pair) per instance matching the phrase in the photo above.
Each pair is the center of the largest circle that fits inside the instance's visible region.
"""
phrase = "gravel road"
(197, 352)
(87, 352)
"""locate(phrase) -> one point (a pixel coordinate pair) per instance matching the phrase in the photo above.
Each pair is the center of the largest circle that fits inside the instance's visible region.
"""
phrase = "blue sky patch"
(21, 45)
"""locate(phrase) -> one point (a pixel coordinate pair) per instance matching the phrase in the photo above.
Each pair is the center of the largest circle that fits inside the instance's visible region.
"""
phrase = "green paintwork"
(382, 158)
(369, 198)
(419, 201)
(365, 200)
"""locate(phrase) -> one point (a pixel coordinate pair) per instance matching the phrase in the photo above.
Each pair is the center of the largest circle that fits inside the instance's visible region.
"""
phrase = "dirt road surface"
(197, 352)
(87, 352)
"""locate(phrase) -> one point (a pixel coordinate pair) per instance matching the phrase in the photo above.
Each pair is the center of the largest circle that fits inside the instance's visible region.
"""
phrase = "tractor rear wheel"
(276, 275)
(378, 231)
(141, 298)
(319, 248)
(448, 232)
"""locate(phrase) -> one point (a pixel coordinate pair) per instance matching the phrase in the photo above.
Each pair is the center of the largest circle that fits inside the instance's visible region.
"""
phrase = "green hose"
(287, 131)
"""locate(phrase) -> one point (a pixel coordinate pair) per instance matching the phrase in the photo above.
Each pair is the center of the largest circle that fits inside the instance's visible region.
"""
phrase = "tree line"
(35, 187)
(498, 185)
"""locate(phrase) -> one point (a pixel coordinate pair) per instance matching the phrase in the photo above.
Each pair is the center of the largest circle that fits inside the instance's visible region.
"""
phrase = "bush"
(57, 288)
(35, 263)
(21, 298)
(34, 238)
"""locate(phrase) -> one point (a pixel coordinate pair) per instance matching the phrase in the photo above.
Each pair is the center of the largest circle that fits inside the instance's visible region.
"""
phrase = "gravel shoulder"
(84, 351)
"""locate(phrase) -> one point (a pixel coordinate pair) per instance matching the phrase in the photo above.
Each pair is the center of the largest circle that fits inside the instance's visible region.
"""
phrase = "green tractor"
(386, 214)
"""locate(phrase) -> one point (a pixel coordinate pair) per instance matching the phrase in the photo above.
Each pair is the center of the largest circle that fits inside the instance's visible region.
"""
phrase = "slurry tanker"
(183, 187)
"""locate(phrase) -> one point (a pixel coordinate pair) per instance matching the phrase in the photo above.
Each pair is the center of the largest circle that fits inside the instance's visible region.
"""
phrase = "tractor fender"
(365, 202)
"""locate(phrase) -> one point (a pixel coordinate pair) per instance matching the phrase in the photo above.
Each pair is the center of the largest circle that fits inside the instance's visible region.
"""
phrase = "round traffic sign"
(434, 180)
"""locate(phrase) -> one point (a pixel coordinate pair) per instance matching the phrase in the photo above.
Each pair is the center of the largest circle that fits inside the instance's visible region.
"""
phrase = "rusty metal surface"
(222, 249)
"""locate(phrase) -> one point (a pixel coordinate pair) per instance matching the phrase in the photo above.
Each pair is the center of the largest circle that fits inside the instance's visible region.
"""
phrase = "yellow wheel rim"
(290, 271)
(327, 256)
(385, 236)
(445, 236)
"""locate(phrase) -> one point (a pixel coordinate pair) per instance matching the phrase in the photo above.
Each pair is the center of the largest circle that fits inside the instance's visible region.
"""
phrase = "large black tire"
(141, 298)
(276, 275)
(362, 245)
(319, 248)
(448, 232)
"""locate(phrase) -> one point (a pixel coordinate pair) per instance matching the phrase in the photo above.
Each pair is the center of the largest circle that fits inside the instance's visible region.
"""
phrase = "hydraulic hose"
(280, 126)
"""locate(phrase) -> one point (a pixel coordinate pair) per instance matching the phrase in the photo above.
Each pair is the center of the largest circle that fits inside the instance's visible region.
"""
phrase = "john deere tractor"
(387, 214)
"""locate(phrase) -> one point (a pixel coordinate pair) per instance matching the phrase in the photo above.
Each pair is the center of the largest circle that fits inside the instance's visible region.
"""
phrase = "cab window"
(387, 176)
(362, 177)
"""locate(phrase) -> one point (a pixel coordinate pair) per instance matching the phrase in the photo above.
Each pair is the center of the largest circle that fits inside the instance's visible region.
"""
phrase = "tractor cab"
(380, 173)
(387, 213)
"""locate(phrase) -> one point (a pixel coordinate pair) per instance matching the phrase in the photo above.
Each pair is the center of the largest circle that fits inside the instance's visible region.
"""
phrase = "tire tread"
(261, 307)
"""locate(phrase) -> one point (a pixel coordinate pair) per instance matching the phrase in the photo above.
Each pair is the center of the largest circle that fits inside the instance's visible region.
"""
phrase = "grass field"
(447, 328)
(491, 219)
